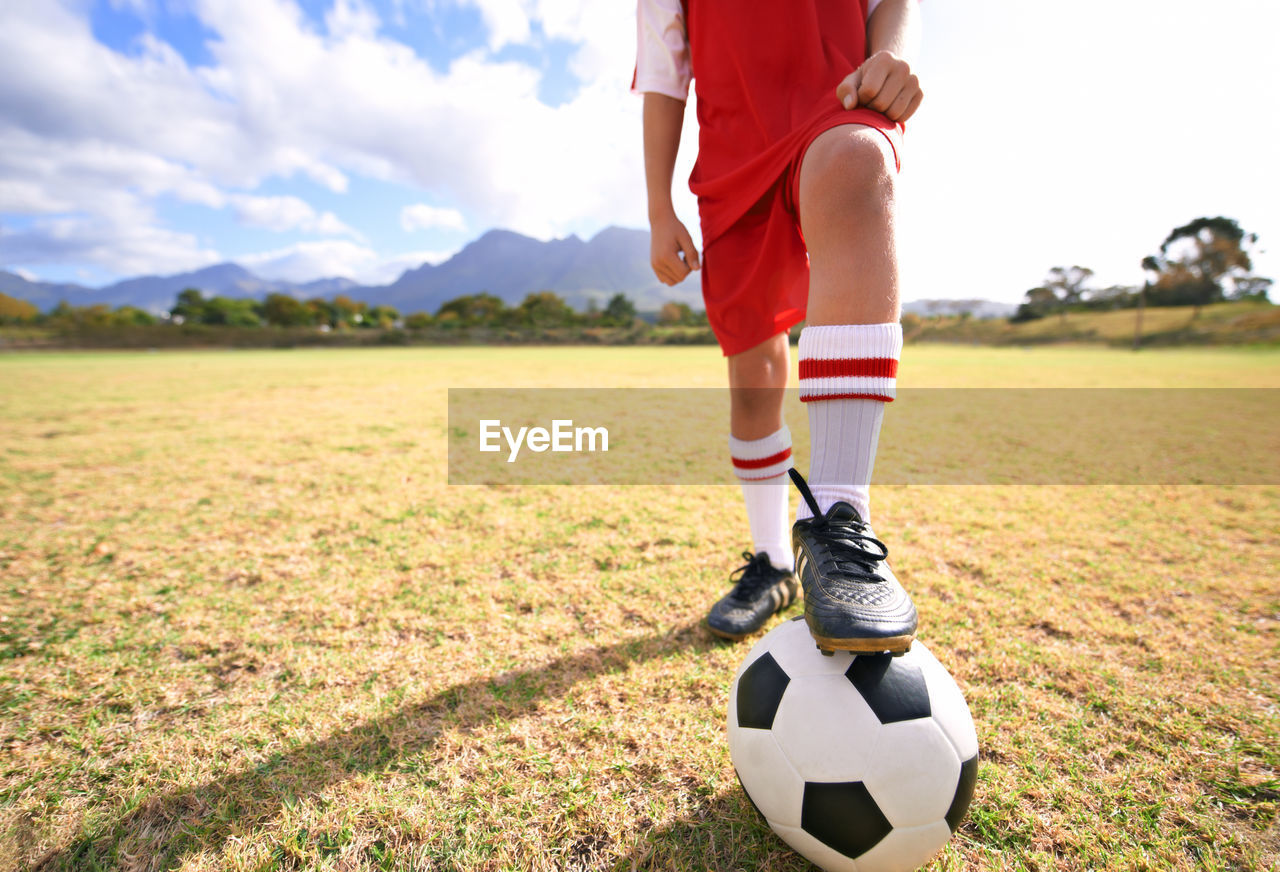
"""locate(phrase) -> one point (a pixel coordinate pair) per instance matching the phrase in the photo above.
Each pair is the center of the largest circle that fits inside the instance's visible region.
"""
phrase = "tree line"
(537, 311)
(1204, 261)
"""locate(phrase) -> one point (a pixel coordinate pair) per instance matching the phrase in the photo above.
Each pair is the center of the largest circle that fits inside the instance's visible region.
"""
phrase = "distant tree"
(544, 309)
(1037, 303)
(131, 316)
(65, 316)
(282, 310)
(1194, 260)
(1251, 288)
(383, 316)
(189, 306)
(322, 312)
(1067, 283)
(349, 311)
(1063, 287)
(418, 321)
(15, 311)
(620, 312)
(473, 310)
(229, 312)
(673, 314)
(1113, 297)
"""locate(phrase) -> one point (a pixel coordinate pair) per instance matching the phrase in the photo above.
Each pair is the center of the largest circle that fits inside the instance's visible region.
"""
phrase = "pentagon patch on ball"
(860, 763)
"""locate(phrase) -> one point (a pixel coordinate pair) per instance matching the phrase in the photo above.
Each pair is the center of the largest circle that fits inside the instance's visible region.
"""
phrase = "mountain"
(975, 308)
(324, 288)
(157, 293)
(503, 263)
(509, 265)
(45, 295)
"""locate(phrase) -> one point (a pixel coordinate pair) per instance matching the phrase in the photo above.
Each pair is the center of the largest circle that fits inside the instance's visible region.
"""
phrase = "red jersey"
(765, 74)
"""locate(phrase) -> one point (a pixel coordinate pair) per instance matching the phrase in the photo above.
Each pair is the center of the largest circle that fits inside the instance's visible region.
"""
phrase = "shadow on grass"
(722, 833)
(164, 828)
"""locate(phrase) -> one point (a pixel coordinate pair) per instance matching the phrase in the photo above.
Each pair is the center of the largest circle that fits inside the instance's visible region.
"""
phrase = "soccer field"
(245, 624)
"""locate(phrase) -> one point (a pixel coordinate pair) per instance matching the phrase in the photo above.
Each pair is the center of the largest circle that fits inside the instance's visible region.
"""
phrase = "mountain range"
(501, 262)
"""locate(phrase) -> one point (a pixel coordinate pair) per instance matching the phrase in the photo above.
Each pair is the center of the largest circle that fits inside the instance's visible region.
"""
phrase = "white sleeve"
(662, 49)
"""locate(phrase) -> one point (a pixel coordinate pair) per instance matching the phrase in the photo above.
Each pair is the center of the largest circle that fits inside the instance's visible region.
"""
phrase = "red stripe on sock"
(763, 461)
(871, 367)
(814, 398)
(761, 477)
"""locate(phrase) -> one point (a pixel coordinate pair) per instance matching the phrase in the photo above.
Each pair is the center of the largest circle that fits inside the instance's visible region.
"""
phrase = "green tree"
(189, 306)
(1195, 259)
(383, 316)
(1036, 303)
(349, 311)
(131, 316)
(418, 321)
(473, 310)
(1067, 284)
(15, 311)
(673, 314)
(620, 312)
(229, 312)
(282, 310)
(322, 312)
(544, 309)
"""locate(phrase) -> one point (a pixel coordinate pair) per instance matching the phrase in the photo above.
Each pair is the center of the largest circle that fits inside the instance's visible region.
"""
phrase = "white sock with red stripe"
(761, 465)
(847, 373)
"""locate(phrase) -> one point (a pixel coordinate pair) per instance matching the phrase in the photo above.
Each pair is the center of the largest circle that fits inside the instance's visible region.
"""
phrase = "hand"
(669, 239)
(884, 83)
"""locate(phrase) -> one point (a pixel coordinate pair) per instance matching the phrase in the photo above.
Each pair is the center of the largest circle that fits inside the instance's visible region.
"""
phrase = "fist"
(884, 83)
(672, 253)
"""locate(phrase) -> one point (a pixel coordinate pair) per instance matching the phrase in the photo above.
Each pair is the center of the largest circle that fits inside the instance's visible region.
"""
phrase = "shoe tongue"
(843, 513)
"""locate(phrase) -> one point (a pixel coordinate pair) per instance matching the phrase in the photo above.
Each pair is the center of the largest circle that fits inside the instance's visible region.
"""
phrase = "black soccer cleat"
(852, 601)
(761, 591)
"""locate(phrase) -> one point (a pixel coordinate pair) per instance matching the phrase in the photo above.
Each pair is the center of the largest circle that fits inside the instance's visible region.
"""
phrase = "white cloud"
(392, 268)
(287, 213)
(82, 125)
(422, 216)
(349, 18)
(506, 20)
(93, 138)
(121, 247)
(25, 273)
(306, 261)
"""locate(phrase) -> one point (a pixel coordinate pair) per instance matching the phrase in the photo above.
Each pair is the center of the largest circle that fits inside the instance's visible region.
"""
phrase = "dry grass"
(245, 625)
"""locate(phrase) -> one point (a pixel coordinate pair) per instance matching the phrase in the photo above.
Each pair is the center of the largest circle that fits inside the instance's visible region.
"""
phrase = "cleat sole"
(891, 644)
(721, 634)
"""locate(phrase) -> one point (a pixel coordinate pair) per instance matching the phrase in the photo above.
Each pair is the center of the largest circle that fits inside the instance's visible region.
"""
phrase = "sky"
(357, 138)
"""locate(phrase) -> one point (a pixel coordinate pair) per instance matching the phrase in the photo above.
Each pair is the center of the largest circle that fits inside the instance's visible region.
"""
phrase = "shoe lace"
(752, 577)
(853, 552)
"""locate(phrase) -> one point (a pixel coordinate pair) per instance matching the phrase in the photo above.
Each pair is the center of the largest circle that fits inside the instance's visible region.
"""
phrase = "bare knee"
(846, 173)
(762, 367)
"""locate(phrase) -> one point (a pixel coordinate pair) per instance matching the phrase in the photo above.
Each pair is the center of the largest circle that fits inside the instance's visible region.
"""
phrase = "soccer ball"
(861, 763)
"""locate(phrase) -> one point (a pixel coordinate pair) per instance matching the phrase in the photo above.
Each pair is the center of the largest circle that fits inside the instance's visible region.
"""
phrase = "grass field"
(244, 624)
(1248, 322)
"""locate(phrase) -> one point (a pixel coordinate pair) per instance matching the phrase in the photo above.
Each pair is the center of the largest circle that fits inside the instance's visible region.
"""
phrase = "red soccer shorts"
(755, 275)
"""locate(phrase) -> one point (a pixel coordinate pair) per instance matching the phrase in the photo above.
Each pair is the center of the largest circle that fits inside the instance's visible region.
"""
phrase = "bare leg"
(757, 381)
(850, 345)
(847, 217)
(760, 446)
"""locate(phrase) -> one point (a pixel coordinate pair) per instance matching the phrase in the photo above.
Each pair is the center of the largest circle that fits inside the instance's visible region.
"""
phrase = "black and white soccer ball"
(860, 763)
